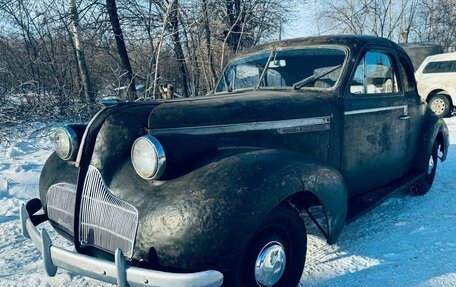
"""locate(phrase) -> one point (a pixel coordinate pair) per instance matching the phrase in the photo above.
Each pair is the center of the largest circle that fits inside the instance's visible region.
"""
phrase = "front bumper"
(117, 272)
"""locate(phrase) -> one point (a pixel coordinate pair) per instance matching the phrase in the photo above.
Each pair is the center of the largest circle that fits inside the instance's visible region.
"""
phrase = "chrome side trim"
(117, 272)
(84, 136)
(61, 198)
(374, 110)
(249, 126)
(106, 221)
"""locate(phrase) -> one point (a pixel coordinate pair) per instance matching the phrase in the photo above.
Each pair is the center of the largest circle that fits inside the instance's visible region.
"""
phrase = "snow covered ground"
(406, 241)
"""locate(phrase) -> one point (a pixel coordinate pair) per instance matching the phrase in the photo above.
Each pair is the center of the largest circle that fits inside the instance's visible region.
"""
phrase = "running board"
(362, 204)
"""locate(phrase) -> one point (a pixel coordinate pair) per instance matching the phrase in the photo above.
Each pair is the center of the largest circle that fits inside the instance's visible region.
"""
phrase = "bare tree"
(159, 48)
(58, 56)
(209, 48)
(122, 49)
(174, 21)
(437, 23)
(374, 17)
(80, 56)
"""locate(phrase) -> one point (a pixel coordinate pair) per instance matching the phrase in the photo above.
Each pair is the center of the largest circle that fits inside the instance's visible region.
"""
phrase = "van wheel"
(276, 253)
(440, 105)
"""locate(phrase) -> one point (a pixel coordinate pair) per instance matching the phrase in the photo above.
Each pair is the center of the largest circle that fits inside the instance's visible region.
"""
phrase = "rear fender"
(434, 129)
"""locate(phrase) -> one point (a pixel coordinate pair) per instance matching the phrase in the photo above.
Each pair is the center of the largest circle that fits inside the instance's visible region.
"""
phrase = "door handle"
(404, 117)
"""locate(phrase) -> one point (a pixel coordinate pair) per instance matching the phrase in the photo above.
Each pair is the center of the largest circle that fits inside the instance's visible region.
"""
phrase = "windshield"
(284, 68)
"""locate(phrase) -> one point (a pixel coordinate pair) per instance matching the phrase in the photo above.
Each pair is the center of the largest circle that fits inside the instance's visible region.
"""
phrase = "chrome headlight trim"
(157, 151)
(73, 143)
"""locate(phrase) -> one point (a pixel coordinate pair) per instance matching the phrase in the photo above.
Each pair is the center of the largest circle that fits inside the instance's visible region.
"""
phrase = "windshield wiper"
(314, 77)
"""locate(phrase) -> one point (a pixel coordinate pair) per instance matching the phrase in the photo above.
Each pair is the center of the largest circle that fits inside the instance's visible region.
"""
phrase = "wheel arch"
(334, 209)
(434, 129)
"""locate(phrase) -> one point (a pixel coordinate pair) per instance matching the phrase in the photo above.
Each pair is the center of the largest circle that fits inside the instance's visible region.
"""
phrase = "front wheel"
(276, 253)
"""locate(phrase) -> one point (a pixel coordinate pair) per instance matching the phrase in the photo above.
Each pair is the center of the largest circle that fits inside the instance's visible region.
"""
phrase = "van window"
(438, 67)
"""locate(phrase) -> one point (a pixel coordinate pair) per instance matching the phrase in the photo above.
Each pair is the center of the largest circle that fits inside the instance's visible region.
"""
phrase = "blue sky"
(304, 22)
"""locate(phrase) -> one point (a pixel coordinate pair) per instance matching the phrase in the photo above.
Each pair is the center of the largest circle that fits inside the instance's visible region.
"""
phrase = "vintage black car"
(208, 191)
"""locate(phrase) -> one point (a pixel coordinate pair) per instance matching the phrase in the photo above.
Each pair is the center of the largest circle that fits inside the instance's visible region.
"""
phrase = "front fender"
(206, 217)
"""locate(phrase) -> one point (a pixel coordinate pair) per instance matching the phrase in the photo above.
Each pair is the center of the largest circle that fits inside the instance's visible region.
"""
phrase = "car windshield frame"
(269, 52)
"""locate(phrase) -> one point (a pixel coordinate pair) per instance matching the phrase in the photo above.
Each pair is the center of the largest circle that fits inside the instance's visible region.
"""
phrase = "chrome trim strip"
(61, 198)
(84, 136)
(105, 221)
(304, 129)
(374, 110)
(114, 272)
(247, 127)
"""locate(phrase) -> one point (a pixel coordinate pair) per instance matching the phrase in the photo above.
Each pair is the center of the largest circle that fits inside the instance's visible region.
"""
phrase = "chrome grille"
(60, 205)
(106, 221)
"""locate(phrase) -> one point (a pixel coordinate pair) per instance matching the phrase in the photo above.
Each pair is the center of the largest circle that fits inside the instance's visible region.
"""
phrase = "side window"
(454, 66)
(407, 80)
(375, 74)
(438, 67)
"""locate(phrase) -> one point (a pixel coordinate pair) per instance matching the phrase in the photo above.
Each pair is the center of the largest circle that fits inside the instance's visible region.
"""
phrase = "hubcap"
(438, 106)
(270, 264)
(431, 164)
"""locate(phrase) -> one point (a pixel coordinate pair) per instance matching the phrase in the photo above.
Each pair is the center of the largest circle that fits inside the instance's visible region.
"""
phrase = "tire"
(283, 236)
(424, 184)
(440, 105)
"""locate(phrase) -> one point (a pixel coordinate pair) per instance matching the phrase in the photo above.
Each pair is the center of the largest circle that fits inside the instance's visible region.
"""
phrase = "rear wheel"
(276, 254)
(440, 105)
(424, 184)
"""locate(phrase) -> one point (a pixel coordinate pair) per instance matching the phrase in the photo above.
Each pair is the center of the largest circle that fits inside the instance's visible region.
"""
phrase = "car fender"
(434, 129)
(207, 216)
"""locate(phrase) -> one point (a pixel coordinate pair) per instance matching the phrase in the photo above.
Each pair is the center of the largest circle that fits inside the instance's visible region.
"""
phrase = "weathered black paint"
(225, 199)
(219, 187)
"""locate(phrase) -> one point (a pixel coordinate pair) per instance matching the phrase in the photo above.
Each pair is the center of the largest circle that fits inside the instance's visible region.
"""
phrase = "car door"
(375, 123)
(416, 110)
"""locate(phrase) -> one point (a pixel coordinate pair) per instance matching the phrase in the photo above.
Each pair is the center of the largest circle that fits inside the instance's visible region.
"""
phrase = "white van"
(436, 79)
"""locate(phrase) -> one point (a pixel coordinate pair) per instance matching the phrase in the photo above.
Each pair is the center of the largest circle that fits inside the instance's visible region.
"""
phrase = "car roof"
(351, 41)
(442, 57)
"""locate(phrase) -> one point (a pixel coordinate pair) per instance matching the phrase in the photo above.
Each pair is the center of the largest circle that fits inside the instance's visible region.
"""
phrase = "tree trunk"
(213, 74)
(160, 43)
(122, 49)
(80, 57)
(233, 9)
(174, 20)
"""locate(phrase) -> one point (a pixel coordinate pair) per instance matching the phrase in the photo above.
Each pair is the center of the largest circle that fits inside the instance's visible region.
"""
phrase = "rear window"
(439, 67)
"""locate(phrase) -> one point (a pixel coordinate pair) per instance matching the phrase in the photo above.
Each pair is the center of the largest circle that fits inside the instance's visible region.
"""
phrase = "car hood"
(246, 107)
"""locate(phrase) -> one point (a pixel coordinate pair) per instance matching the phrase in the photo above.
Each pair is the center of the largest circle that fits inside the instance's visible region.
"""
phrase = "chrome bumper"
(116, 272)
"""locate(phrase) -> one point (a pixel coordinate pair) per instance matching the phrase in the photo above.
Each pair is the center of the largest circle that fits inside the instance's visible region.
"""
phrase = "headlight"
(148, 157)
(66, 143)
